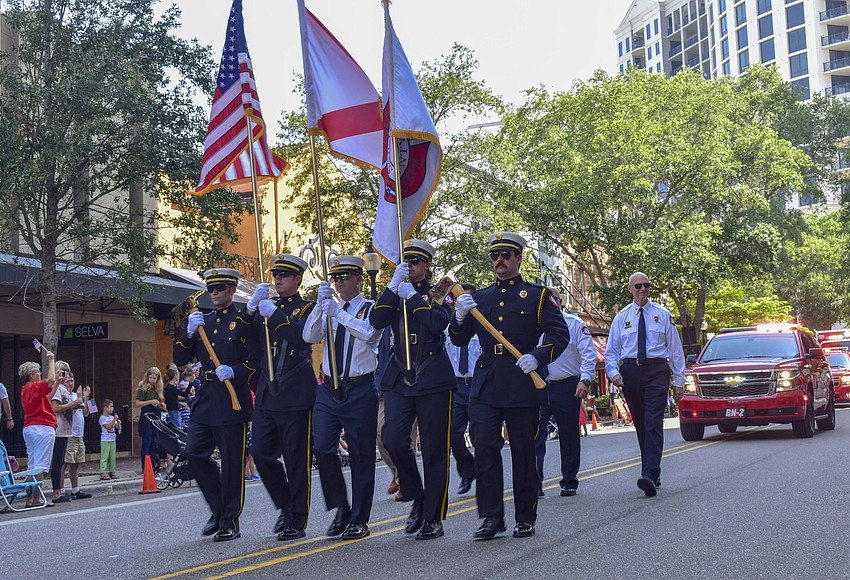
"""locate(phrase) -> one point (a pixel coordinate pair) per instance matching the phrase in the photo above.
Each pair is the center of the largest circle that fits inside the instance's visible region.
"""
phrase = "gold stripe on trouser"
(444, 508)
(537, 467)
(309, 463)
(242, 475)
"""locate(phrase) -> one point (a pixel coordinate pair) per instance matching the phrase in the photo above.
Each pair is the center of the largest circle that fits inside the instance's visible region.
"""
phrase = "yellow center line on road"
(456, 508)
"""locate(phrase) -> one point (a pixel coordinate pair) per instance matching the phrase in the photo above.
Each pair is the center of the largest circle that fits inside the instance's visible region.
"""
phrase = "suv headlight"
(845, 379)
(690, 385)
(786, 380)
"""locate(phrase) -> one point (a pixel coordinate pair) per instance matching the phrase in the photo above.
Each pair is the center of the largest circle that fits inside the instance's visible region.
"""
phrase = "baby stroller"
(172, 440)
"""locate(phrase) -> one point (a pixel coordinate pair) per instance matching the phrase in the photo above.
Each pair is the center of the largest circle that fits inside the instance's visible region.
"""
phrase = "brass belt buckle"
(498, 349)
(414, 339)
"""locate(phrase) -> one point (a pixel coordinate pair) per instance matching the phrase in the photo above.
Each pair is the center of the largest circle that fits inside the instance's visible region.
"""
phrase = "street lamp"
(373, 266)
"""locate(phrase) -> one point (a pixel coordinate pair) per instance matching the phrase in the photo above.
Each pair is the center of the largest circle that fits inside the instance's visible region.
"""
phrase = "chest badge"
(232, 325)
(655, 318)
(296, 311)
(361, 314)
(628, 324)
(523, 294)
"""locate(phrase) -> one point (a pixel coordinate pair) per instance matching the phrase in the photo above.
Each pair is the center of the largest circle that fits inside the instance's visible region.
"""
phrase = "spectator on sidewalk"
(39, 418)
(6, 408)
(150, 398)
(172, 397)
(75, 453)
(110, 426)
(63, 406)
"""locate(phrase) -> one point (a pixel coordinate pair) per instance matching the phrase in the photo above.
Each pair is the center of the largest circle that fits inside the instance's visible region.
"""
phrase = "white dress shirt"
(662, 339)
(454, 355)
(579, 358)
(364, 356)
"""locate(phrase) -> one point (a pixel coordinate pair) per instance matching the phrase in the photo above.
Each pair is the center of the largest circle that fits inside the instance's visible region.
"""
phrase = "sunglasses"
(413, 260)
(642, 285)
(505, 254)
(337, 277)
(218, 288)
(282, 274)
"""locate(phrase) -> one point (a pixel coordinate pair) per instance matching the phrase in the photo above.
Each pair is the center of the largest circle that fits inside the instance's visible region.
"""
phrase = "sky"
(519, 45)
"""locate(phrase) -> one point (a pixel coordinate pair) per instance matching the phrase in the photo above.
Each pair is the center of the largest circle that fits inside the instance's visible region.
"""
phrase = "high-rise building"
(807, 40)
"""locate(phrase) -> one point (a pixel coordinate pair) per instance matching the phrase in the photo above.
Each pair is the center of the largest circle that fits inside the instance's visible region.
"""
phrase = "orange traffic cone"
(594, 426)
(149, 481)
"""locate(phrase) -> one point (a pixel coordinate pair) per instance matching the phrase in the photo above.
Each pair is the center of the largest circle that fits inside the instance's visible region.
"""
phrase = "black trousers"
(645, 388)
(358, 415)
(486, 430)
(223, 489)
(464, 460)
(564, 404)
(433, 412)
(57, 462)
(287, 433)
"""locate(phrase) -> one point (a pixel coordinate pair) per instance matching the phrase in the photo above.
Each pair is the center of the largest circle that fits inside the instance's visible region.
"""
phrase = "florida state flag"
(342, 103)
(407, 126)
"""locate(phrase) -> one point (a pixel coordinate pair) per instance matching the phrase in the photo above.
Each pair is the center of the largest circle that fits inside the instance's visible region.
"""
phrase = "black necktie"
(641, 345)
(463, 364)
(339, 343)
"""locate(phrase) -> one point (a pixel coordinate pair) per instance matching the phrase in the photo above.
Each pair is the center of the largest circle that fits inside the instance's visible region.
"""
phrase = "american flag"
(226, 161)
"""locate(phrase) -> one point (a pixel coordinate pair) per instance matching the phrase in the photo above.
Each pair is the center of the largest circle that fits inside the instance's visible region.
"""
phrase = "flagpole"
(398, 193)
(338, 392)
(249, 125)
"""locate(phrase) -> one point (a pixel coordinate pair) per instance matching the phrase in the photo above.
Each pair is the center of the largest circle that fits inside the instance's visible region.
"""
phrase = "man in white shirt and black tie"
(568, 384)
(356, 348)
(644, 348)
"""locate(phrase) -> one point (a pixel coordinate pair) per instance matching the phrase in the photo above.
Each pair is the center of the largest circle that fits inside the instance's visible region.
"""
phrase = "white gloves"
(325, 290)
(527, 363)
(196, 319)
(463, 305)
(406, 290)
(267, 308)
(330, 307)
(224, 372)
(402, 271)
(261, 293)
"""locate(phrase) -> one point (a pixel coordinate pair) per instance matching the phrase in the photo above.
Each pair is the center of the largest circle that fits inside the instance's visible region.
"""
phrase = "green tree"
(756, 303)
(96, 114)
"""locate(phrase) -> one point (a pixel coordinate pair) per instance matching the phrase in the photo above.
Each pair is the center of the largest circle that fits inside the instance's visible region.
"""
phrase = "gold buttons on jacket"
(501, 318)
(501, 303)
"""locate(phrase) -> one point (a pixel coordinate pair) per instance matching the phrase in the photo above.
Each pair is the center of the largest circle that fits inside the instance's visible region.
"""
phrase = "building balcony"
(834, 13)
(836, 64)
(694, 62)
(675, 49)
(837, 90)
(835, 40)
(690, 41)
(637, 43)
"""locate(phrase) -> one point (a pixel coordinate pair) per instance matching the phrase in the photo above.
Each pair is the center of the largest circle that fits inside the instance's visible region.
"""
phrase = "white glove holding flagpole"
(260, 293)
(402, 272)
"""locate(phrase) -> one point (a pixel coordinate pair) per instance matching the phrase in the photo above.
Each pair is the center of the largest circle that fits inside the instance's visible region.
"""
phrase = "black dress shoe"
(430, 530)
(414, 520)
(489, 528)
(288, 533)
(281, 523)
(658, 482)
(341, 521)
(523, 530)
(647, 485)
(465, 486)
(568, 491)
(211, 526)
(226, 534)
(355, 532)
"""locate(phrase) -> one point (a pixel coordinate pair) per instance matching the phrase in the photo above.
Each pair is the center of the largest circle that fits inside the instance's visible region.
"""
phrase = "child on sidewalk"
(110, 425)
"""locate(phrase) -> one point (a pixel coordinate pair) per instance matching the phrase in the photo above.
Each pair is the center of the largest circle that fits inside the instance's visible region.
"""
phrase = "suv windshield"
(840, 359)
(772, 346)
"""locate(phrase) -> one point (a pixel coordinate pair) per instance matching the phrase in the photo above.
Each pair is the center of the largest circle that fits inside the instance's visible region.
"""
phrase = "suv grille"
(727, 385)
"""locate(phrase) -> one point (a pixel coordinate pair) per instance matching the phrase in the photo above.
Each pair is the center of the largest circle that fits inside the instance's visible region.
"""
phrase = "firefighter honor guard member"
(644, 351)
(356, 351)
(283, 406)
(214, 422)
(425, 394)
(501, 388)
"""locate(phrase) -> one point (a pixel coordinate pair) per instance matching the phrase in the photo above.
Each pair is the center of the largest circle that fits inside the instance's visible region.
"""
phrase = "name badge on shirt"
(628, 324)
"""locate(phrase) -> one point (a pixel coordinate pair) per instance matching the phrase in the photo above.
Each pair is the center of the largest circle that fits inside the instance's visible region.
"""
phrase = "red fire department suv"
(772, 373)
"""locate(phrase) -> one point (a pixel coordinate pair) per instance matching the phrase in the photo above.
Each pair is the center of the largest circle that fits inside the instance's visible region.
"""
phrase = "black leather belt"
(464, 380)
(210, 376)
(565, 379)
(645, 362)
(351, 381)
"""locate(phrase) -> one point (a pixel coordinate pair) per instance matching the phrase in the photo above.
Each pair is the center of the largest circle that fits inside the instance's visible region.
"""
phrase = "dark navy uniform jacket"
(428, 322)
(522, 312)
(232, 336)
(294, 387)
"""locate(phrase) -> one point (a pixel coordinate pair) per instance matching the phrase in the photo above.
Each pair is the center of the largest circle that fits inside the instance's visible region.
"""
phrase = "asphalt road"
(756, 504)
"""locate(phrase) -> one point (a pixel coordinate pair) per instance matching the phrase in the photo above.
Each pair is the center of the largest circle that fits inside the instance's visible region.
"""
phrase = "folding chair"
(21, 483)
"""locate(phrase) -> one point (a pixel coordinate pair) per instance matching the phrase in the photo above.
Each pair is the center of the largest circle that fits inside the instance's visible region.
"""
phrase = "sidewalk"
(128, 470)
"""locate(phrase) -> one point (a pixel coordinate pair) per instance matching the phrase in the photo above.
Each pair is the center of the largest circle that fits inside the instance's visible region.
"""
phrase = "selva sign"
(89, 331)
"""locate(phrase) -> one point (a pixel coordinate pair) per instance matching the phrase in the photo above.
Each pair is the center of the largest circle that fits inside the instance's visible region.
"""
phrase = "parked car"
(839, 366)
(772, 373)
